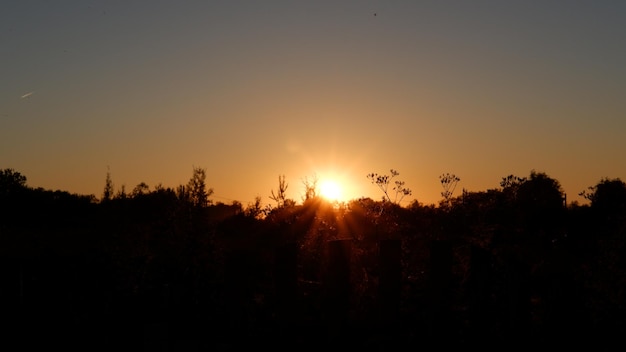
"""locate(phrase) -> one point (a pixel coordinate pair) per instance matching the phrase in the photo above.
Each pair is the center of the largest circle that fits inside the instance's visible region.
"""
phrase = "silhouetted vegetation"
(508, 266)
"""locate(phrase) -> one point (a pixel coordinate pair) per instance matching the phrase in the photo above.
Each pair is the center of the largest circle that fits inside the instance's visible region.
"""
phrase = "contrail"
(27, 95)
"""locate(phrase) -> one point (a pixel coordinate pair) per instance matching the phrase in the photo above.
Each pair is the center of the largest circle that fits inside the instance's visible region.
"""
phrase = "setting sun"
(330, 190)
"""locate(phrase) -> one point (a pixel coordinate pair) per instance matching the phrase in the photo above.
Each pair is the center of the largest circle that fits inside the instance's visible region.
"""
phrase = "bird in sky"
(27, 95)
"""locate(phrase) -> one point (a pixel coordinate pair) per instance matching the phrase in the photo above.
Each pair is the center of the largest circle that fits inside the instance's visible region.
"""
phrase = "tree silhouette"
(198, 192)
(540, 204)
(511, 182)
(255, 210)
(310, 188)
(608, 204)
(13, 203)
(448, 182)
(383, 181)
(171, 253)
(141, 189)
(541, 191)
(280, 197)
(121, 194)
(11, 181)
(107, 194)
(608, 195)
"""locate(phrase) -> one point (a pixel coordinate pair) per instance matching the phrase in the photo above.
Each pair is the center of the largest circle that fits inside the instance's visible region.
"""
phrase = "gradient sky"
(250, 90)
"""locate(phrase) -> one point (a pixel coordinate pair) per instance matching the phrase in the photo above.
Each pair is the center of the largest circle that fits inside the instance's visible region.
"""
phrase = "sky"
(333, 90)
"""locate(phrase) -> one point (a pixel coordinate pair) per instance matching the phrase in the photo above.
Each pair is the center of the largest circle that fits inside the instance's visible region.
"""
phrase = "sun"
(330, 190)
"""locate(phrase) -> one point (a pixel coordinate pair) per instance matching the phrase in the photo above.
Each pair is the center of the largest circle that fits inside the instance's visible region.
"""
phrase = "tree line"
(178, 243)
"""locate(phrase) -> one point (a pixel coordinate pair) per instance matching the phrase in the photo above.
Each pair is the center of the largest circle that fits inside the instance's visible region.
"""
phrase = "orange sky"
(251, 90)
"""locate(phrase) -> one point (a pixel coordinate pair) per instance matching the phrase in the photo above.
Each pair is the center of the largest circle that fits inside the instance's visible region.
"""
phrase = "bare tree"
(310, 188)
(449, 182)
(383, 182)
(280, 197)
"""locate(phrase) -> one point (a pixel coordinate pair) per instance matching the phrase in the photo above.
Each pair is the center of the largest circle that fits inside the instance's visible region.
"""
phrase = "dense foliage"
(513, 262)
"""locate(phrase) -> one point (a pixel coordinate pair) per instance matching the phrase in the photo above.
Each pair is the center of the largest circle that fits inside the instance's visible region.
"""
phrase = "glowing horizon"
(252, 91)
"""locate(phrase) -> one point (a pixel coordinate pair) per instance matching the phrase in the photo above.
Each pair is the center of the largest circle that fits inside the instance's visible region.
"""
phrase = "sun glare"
(330, 190)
